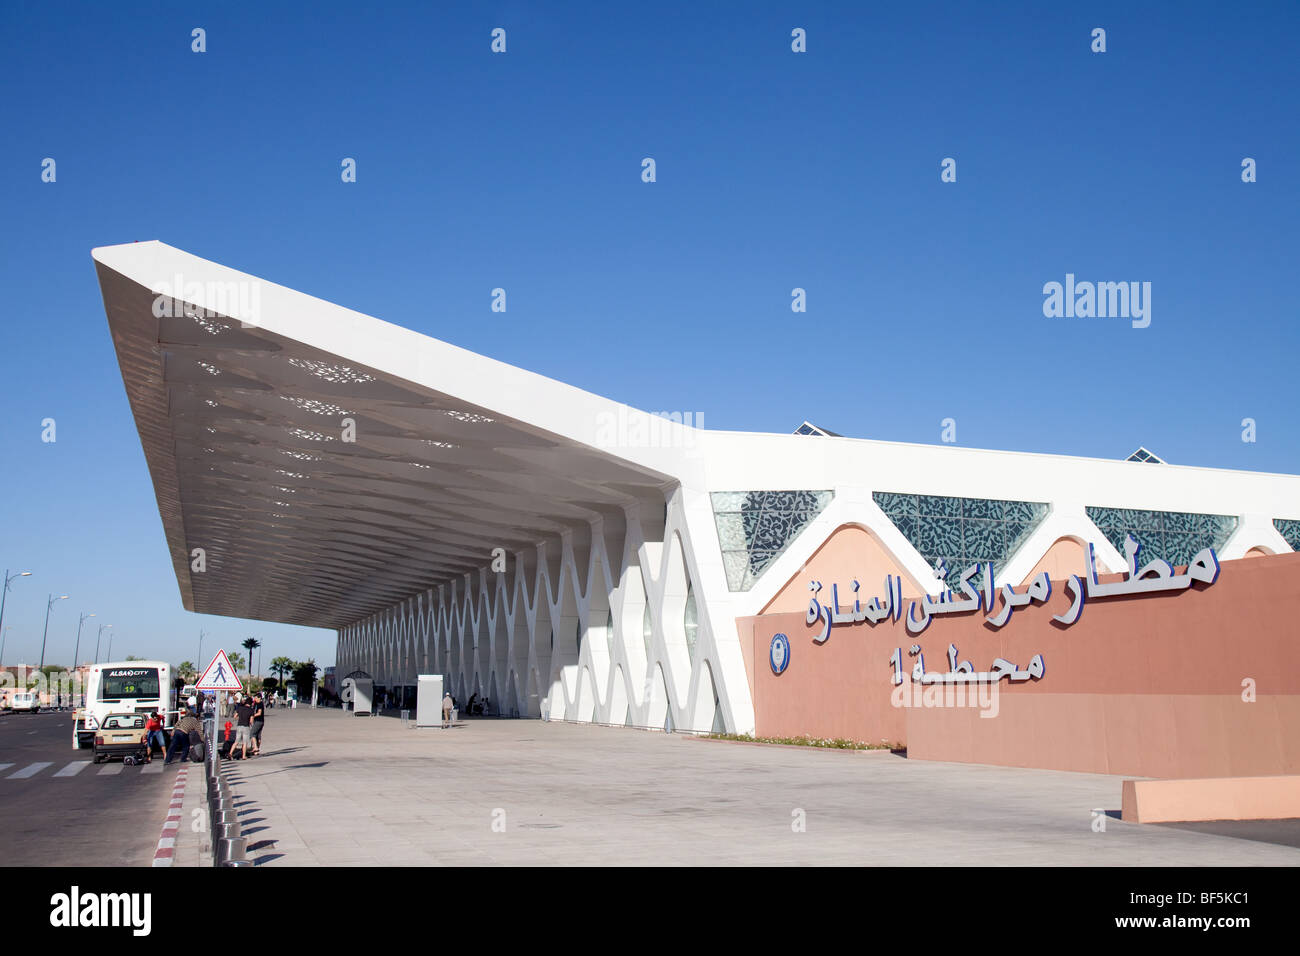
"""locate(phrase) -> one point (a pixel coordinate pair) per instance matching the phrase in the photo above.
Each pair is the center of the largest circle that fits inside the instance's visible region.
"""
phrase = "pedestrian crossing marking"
(74, 768)
(30, 770)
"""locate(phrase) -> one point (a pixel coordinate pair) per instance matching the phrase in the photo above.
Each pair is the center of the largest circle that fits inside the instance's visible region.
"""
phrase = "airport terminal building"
(568, 556)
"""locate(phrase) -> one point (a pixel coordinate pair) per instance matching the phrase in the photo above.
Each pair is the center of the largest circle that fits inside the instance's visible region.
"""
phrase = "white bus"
(124, 687)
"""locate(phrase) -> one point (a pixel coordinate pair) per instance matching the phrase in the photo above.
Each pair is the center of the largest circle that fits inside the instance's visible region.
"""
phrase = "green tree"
(251, 645)
(281, 666)
(133, 657)
(187, 672)
(236, 660)
(304, 675)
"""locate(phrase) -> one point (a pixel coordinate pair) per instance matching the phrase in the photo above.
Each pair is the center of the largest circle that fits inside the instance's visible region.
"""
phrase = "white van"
(26, 701)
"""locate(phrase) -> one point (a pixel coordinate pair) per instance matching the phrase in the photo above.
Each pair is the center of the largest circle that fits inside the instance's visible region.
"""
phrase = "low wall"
(1197, 683)
(1222, 798)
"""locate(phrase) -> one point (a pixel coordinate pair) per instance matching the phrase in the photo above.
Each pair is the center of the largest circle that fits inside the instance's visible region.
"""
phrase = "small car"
(121, 735)
(26, 701)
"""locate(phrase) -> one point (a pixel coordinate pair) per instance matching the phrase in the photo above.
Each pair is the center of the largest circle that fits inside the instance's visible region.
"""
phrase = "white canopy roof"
(241, 400)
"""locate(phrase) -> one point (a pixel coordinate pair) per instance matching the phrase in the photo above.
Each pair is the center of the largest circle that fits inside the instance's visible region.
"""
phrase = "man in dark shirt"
(243, 727)
(259, 721)
(185, 726)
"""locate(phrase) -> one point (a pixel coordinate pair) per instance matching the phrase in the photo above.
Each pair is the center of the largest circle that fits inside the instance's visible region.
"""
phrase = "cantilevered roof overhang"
(242, 391)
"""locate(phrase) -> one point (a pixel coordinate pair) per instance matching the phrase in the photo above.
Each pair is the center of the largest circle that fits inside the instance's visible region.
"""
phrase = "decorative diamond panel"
(1175, 536)
(755, 528)
(962, 531)
(1290, 530)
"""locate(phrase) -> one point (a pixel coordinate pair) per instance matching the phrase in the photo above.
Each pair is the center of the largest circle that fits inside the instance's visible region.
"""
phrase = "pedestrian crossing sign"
(219, 675)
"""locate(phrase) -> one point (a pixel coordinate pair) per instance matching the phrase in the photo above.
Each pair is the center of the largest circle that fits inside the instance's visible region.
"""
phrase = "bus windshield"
(122, 682)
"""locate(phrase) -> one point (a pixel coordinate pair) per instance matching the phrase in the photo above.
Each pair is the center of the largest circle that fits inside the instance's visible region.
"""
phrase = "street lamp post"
(8, 577)
(199, 662)
(76, 651)
(40, 670)
(97, 637)
(110, 647)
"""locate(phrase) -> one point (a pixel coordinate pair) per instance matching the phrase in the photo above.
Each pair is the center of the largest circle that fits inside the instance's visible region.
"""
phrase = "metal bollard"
(230, 852)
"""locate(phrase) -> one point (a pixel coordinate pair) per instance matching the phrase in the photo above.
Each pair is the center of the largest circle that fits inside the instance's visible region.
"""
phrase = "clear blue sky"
(775, 170)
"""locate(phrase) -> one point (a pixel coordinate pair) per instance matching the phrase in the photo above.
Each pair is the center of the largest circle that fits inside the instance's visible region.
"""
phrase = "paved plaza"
(333, 789)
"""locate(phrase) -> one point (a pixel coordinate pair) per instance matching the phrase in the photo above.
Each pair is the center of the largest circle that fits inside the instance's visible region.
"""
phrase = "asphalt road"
(57, 808)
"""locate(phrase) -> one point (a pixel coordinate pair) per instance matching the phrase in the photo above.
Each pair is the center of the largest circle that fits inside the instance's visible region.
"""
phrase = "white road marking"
(4, 767)
(111, 769)
(74, 768)
(154, 767)
(30, 770)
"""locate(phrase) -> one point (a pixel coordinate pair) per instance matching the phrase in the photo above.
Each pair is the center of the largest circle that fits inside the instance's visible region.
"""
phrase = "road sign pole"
(213, 743)
(218, 677)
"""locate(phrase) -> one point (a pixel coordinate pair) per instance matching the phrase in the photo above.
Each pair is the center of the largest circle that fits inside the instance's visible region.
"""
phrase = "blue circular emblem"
(779, 654)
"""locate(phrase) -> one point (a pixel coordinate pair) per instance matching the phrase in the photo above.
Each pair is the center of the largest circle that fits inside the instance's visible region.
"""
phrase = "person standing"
(243, 728)
(259, 721)
(446, 710)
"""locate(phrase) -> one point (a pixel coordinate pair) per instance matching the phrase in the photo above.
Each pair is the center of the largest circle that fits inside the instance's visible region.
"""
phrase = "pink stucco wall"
(1143, 686)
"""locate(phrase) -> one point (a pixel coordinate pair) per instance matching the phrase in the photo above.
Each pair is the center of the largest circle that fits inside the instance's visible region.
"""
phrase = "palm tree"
(237, 661)
(251, 645)
(186, 671)
(283, 665)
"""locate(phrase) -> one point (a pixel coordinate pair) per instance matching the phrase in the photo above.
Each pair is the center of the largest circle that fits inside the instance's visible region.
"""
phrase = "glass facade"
(1289, 529)
(755, 528)
(962, 531)
(1175, 536)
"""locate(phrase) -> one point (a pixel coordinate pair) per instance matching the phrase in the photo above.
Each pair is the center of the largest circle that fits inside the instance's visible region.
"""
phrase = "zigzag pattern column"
(588, 626)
